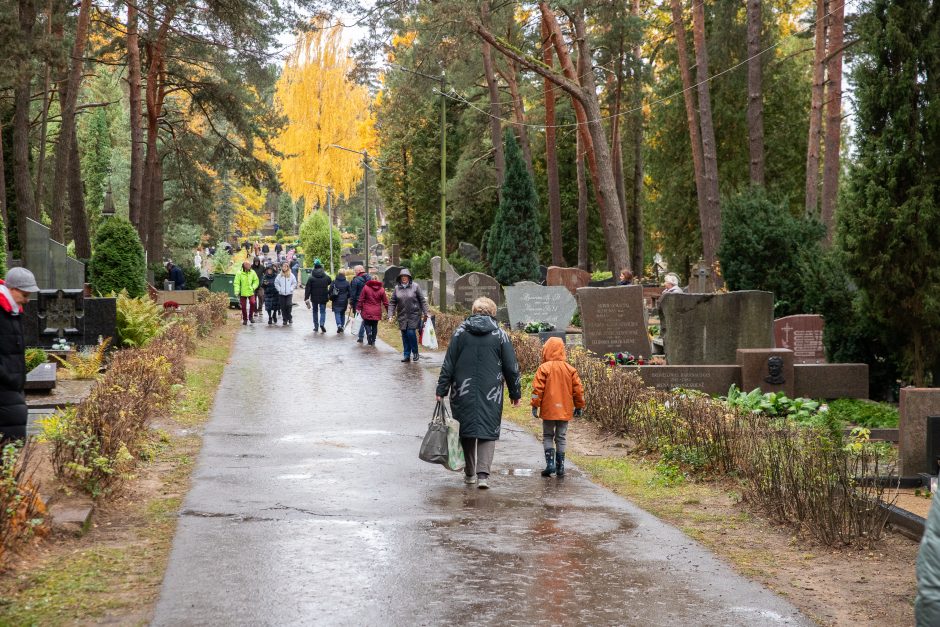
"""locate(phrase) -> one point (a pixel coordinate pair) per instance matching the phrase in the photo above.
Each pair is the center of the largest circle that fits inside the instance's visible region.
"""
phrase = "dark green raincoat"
(480, 360)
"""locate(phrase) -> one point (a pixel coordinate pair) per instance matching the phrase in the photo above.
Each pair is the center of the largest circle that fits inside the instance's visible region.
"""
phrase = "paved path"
(310, 506)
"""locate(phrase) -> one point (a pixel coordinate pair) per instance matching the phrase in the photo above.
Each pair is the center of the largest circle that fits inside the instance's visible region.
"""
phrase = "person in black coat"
(480, 360)
(175, 274)
(14, 293)
(272, 303)
(317, 293)
(355, 291)
(339, 296)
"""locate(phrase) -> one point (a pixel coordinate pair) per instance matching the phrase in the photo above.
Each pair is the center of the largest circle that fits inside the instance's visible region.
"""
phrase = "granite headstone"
(571, 278)
(452, 276)
(538, 303)
(469, 252)
(474, 285)
(802, 334)
(613, 320)
(710, 328)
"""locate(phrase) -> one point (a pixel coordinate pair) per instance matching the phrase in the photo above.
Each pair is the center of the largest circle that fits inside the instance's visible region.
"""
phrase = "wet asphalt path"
(309, 506)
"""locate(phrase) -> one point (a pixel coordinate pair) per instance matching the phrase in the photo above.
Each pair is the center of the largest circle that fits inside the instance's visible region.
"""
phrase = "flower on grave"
(170, 304)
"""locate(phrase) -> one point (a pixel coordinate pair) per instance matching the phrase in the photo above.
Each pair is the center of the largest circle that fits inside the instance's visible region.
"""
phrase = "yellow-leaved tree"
(323, 107)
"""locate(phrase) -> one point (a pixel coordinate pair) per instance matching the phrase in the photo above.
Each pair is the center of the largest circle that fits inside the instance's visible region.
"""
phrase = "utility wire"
(453, 95)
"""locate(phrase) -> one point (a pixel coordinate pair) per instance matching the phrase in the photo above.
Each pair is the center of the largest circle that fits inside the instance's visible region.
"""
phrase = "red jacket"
(372, 300)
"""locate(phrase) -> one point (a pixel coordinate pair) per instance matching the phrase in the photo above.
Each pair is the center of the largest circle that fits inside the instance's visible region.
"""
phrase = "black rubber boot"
(549, 463)
(560, 464)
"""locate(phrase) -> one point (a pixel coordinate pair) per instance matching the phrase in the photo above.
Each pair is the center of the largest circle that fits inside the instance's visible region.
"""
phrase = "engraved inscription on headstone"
(803, 334)
(474, 285)
(537, 303)
(614, 319)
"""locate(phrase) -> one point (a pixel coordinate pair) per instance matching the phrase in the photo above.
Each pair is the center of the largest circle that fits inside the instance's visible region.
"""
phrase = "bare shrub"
(209, 312)
(800, 475)
(528, 351)
(445, 324)
(21, 510)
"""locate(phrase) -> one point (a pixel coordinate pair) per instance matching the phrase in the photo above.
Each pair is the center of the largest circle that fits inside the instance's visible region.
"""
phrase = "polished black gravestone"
(68, 315)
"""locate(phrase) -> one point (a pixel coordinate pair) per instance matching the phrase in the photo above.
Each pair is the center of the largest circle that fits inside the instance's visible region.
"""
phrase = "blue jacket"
(179, 279)
(355, 287)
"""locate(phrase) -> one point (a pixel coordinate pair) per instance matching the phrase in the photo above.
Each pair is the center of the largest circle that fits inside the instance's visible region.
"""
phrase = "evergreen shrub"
(515, 237)
(763, 245)
(117, 259)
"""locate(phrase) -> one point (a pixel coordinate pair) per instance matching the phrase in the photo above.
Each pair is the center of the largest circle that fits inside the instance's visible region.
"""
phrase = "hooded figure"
(480, 360)
(271, 300)
(410, 307)
(339, 296)
(317, 293)
(355, 289)
(557, 395)
(372, 301)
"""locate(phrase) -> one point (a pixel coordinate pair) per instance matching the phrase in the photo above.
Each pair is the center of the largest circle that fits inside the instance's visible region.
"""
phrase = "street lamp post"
(442, 277)
(329, 212)
(365, 170)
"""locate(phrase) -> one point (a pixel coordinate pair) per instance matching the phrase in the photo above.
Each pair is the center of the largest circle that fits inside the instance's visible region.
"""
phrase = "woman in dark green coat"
(480, 360)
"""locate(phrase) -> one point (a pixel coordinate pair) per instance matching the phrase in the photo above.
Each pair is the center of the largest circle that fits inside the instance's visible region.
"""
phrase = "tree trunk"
(587, 111)
(496, 131)
(133, 83)
(711, 221)
(47, 91)
(551, 156)
(755, 93)
(695, 137)
(815, 112)
(3, 193)
(595, 145)
(78, 217)
(833, 141)
(636, 206)
(151, 205)
(518, 109)
(584, 261)
(68, 98)
(616, 149)
(22, 179)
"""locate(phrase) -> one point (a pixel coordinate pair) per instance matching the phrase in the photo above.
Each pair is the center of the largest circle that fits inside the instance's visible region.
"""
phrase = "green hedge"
(117, 259)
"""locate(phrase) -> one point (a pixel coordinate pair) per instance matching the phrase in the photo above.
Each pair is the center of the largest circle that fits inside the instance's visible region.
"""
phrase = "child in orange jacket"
(557, 395)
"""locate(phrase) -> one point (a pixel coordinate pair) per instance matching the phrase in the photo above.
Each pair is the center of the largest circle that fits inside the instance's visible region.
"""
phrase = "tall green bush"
(117, 259)
(762, 245)
(515, 237)
(315, 239)
(889, 222)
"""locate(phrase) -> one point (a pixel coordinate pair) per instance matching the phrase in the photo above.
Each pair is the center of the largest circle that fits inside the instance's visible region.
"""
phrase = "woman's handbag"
(441, 443)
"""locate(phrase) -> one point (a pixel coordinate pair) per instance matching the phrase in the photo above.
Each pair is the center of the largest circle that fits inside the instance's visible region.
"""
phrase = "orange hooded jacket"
(556, 390)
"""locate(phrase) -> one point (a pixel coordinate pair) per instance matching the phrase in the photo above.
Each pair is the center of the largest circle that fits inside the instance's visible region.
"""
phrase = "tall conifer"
(515, 237)
(889, 225)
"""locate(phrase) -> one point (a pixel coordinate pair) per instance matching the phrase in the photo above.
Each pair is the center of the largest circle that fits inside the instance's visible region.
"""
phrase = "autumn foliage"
(323, 107)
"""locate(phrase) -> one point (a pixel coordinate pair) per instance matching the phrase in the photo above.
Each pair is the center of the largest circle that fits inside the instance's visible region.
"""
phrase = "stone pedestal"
(770, 369)
(916, 405)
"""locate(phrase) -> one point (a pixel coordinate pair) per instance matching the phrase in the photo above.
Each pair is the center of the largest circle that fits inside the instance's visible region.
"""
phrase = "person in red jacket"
(557, 394)
(372, 301)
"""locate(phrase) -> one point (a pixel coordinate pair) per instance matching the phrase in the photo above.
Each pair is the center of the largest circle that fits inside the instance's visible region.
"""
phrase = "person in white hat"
(14, 294)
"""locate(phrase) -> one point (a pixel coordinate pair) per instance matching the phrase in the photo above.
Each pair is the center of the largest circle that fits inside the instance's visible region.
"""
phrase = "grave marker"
(802, 334)
(474, 285)
(710, 328)
(538, 303)
(613, 320)
(570, 278)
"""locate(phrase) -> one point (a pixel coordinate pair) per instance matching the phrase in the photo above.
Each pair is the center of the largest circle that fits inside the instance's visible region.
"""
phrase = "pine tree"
(515, 237)
(286, 218)
(889, 225)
